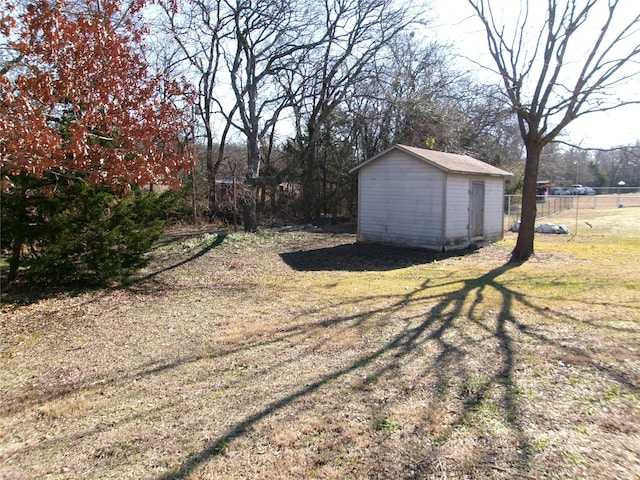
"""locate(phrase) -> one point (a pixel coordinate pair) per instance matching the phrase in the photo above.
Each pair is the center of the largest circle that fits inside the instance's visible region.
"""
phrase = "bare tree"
(417, 97)
(555, 69)
(620, 165)
(355, 33)
(198, 29)
(269, 39)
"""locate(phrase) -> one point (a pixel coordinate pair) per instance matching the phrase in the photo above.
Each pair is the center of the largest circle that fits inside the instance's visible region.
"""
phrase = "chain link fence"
(551, 204)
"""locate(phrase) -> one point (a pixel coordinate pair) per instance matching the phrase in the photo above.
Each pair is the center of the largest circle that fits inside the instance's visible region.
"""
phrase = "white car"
(577, 189)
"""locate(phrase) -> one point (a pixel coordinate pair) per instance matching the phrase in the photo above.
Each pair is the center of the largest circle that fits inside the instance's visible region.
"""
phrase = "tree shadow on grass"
(433, 321)
(363, 257)
(220, 237)
(139, 284)
(27, 295)
(431, 329)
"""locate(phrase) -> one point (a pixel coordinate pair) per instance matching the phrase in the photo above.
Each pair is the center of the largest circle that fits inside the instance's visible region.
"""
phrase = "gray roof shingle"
(449, 162)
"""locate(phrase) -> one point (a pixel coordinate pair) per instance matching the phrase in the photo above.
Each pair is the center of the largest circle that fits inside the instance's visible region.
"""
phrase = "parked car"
(559, 191)
(576, 189)
(589, 191)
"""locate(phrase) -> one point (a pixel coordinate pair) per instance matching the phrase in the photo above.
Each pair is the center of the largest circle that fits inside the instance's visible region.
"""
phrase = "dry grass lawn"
(296, 353)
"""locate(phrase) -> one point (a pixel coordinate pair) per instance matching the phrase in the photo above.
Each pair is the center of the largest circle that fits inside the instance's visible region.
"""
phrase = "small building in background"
(414, 197)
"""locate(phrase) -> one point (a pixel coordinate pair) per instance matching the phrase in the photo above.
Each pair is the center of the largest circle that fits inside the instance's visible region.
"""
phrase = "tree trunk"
(194, 198)
(249, 210)
(250, 198)
(308, 190)
(308, 184)
(18, 241)
(235, 204)
(14, 262)
(524, 245)
(335, 204)
(211, 176)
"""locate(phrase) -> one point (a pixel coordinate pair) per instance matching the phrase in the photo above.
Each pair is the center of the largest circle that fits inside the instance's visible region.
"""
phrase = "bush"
(66, 232)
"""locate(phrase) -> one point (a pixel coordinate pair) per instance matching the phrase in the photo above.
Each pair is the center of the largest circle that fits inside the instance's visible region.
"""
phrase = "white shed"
(422, 198)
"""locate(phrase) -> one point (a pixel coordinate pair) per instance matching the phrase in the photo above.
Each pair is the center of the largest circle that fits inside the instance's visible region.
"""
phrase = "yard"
(296, 353)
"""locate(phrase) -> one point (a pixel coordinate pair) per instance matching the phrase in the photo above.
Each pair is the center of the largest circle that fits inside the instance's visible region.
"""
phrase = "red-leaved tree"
(77, 97)
(79, 106)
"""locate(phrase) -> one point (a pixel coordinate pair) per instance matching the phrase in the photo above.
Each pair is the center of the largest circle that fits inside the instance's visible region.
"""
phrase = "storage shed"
(423, 198)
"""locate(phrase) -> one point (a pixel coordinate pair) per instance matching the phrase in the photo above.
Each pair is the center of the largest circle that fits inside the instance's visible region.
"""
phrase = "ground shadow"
(27, 295)
(433, 328)
(364, 257)
(220, 237)
(437, 323)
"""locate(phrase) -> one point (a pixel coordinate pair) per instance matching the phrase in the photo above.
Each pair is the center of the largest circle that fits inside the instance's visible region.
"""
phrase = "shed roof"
(449, 162)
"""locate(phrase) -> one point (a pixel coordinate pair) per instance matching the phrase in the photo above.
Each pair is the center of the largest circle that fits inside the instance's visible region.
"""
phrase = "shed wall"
(493, 209)
(400, 202)
(457, 210)
(457, 214)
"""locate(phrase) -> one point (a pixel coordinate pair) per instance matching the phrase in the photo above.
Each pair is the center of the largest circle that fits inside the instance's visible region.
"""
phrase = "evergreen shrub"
(70, 232)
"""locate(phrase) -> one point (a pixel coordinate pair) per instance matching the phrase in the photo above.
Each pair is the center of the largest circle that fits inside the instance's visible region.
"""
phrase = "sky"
(455, 23)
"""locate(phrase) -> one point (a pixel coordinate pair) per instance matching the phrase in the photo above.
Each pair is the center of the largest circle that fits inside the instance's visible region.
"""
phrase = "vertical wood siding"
(457, 210)
(405, 201)
(493, 209)
(400, 202)
(457, 214)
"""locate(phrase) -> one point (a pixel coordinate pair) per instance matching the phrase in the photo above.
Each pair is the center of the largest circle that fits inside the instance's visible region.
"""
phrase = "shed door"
(476, 210)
